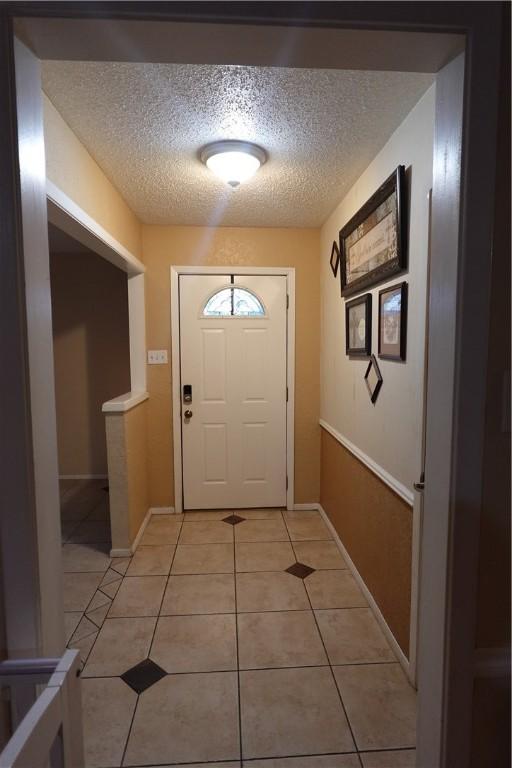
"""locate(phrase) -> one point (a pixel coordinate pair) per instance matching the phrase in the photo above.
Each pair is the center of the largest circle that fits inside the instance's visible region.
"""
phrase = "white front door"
(233, 365)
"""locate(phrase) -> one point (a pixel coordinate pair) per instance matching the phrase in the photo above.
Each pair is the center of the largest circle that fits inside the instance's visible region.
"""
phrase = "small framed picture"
(373, 379)
(393, 322)
(358, 326)
(335, 258)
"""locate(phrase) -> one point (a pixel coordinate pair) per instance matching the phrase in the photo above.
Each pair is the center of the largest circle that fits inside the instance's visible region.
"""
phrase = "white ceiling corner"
(145, 123)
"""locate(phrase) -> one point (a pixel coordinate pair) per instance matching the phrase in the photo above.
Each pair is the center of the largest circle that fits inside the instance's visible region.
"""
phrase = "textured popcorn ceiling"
(145, 123)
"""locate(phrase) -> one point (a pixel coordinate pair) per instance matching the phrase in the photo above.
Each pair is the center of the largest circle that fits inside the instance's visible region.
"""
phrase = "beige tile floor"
(242, 663)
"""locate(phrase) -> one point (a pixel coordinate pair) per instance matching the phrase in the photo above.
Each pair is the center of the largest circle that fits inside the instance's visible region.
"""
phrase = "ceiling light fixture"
(233, 161)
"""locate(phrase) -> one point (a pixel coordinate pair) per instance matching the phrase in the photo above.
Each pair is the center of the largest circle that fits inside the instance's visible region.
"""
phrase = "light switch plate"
(157, 356)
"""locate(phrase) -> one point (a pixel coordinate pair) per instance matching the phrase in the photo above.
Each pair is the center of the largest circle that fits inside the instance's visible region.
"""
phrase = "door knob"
(188, 414)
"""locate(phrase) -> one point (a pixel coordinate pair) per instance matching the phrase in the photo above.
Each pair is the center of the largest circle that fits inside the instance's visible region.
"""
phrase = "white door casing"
(234, 444)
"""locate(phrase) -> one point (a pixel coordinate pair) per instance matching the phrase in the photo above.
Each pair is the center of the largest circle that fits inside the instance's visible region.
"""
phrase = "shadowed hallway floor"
(228, 640)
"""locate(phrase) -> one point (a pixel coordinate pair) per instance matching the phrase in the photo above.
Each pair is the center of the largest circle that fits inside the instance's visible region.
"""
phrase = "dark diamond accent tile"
(143, 675)
(300, 570)
(233, 519)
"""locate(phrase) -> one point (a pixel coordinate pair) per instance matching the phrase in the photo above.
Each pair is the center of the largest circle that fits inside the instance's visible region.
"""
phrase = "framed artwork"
(373, 379)
(358, 326)
(393, 322)
(373, 244)
(335, 258)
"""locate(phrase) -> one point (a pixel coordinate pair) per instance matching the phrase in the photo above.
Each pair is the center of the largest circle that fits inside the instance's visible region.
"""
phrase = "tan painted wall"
(299, 248)
(136, 437)
(375, 526)
(91, 355)
(127, 441)
(389, 432)
(71, 168)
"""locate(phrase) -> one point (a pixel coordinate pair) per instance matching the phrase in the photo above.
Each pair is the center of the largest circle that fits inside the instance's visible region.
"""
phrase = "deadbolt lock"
(187, 393)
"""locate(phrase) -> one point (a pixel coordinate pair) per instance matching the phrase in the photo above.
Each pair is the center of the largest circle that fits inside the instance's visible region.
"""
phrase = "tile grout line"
(153, 635)
(231, 613)
(221, 573)
(240, 743)
(257, 759)
(235, 572)
(74, 528)
(77, 524)
(285, 757)
(87, 519)
(84, 612)
(97, 632)
(332, 673)
(121, 762)
(212, 573)
(87, 514)
(151, 643)
(253, 669)
(321, 640)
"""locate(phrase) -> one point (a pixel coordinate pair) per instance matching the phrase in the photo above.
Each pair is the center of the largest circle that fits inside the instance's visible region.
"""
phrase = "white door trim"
(289, 273)
(67, 215)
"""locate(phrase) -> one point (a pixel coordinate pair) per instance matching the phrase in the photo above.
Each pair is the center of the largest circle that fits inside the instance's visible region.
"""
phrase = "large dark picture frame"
(373, 244)
(358, 315)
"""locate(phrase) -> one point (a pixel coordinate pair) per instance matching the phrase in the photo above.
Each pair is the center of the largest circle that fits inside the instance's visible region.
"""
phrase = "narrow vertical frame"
(401, 357)
(289, 273)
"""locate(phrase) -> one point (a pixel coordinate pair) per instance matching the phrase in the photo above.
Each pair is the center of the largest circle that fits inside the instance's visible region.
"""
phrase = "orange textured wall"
(375, 526)
(227, 247)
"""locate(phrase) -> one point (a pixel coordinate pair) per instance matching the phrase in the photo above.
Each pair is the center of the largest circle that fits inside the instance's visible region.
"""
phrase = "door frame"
(447, 634)
(289, 273)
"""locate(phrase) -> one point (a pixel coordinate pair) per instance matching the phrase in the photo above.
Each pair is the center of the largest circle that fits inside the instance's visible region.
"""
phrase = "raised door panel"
(254, 453)
(213, 364)
(214, 452)
(253, 371)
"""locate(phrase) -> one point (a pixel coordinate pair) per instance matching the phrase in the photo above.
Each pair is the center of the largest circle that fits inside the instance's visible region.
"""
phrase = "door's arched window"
(233, 302)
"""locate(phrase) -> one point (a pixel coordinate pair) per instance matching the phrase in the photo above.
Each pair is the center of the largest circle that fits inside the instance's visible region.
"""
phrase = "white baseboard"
(83, 477)
(120, 553)
(151, 511)
(142, 528)
(402, 658)
(128, 552)
(305, 507)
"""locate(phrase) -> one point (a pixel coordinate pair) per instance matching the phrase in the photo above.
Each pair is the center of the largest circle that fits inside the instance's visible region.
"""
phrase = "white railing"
(50, 733)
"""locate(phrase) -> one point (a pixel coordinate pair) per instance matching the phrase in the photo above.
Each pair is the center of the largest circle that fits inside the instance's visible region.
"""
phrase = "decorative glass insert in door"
(233, 302)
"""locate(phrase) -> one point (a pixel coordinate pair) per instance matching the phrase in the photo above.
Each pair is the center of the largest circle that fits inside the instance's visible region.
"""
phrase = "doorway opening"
(447, 193)
(91, 350)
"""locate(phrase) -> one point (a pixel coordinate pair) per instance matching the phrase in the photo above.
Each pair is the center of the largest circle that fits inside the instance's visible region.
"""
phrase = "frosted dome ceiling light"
(233, 161)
